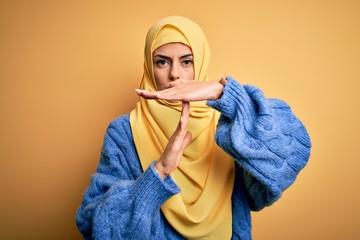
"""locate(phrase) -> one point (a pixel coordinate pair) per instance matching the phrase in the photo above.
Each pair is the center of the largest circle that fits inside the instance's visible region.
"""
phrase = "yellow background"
(67, 68)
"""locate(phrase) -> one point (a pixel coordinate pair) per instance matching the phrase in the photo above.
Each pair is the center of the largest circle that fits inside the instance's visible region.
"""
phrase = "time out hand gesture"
(174, 150)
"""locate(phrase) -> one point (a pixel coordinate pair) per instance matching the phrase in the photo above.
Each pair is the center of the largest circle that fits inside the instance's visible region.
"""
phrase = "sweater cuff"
(151, 191)
(234, 95)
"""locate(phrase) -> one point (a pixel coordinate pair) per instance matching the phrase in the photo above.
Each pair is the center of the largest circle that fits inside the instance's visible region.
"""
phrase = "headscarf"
(202, 210)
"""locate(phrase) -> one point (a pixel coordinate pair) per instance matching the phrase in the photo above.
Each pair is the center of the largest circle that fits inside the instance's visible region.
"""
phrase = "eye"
(188, 62)
(161, 63)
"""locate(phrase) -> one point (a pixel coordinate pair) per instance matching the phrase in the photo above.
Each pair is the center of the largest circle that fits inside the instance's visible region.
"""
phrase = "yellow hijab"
(203, 208)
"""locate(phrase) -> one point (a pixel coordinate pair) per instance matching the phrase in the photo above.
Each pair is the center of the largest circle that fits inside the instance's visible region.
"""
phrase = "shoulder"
(120, 124)
(118, 134)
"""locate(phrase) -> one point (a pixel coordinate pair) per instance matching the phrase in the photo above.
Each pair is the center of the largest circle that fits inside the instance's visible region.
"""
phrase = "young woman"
(161, 174)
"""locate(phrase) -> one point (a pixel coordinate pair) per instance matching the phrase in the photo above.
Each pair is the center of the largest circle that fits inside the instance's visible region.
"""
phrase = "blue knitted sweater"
(267, 142)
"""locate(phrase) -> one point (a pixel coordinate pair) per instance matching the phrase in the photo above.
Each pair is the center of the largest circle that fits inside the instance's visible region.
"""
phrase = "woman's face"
(172, 61)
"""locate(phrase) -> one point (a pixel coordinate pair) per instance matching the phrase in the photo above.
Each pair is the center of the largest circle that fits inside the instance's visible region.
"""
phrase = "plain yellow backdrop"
(67, 68)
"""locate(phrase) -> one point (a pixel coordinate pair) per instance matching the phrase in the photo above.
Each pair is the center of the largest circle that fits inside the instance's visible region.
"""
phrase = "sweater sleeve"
(122, 202)
(264, 137)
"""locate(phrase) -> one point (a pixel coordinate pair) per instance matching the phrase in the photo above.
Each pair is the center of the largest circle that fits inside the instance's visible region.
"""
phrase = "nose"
(174, 73)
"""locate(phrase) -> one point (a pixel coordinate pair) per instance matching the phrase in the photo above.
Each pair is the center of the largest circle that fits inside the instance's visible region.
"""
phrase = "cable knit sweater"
(267, 142)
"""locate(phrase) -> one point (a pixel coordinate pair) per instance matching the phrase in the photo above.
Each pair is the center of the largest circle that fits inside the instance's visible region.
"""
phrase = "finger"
(147, 94)
(175, 144)
(180, 131)
(172, 84)
(165, 94)
(140, 92)
(187, 140)
(184, 117)
(176, 82)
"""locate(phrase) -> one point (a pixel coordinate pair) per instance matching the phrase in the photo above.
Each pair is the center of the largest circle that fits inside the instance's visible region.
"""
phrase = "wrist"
(223, 81)
(219, 86)
(160, 170)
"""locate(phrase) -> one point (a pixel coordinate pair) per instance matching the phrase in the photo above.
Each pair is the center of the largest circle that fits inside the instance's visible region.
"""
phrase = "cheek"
(189, 74)
(161, 77)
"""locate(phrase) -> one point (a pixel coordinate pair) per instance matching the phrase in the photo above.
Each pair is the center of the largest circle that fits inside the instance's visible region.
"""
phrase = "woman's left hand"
(186, 91)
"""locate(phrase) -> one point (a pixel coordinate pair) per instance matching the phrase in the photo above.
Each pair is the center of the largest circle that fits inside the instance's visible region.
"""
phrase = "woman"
(161, 175)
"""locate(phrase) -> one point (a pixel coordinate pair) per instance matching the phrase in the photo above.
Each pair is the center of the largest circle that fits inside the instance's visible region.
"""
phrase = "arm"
(121, 201)
(264, 137)
(174, 150)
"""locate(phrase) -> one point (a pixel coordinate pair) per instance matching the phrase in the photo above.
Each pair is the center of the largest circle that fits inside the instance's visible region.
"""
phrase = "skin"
(171, 62)
(174, 73)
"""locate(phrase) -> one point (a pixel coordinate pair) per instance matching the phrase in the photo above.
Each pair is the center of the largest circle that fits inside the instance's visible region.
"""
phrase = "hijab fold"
(202, 210)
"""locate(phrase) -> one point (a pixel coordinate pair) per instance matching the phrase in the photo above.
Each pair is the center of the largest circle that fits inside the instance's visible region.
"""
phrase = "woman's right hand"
(174, 150)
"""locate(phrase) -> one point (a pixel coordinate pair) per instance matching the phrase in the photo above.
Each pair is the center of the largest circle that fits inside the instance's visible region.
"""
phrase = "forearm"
(120, 193)
(128, 208)
(264, 137)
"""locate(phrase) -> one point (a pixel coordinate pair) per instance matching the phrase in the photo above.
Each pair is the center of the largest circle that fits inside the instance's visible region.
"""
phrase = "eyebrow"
(168, 58)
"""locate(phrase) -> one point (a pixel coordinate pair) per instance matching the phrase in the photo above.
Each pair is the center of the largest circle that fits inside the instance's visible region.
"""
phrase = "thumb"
(186, 141)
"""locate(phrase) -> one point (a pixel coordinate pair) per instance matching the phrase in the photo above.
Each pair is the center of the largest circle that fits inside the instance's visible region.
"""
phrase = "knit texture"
(267, 142)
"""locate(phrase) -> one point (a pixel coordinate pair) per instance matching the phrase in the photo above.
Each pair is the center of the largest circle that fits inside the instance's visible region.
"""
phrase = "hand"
(174, 150)
(186, 91)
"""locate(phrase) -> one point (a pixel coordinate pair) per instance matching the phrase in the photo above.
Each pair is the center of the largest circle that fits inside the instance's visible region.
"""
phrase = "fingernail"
(140, 90)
